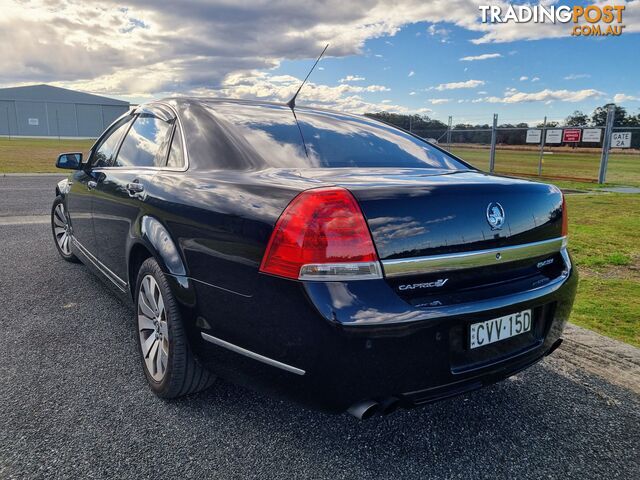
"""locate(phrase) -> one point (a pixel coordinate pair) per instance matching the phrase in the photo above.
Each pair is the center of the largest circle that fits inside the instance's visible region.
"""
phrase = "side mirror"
(70, 161)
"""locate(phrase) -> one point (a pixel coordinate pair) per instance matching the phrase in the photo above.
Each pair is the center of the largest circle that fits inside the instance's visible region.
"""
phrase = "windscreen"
(269, 136)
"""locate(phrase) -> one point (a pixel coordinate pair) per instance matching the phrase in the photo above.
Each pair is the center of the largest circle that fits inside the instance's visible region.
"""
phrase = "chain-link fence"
(601, 153)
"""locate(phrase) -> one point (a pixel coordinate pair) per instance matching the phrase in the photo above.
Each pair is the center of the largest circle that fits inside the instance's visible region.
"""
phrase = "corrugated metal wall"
(53, 119)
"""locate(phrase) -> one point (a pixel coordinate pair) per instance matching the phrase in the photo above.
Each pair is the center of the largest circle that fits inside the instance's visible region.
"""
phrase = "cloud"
(279, 88)
(438, 101)
(351, 78)
(411, 73)
(484, 56)
(515, 96)
(523, 78)
(535, 79)
(441, 32)
(412, 93)
(151, 47)
(576, 76)
(455, 85)
(622, 97)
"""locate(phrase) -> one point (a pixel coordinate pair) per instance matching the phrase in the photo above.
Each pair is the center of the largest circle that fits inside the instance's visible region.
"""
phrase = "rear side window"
(176, 155)
(146, 143)
(105, 152)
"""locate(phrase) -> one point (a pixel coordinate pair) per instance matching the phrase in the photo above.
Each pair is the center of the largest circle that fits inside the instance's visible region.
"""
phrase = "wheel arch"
(155, 241)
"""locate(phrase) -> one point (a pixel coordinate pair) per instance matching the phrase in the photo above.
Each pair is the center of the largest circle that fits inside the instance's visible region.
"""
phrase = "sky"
(428, 57)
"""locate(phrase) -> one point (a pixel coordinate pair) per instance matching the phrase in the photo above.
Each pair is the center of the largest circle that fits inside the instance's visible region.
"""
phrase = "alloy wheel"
(153, 328)
(61, 229)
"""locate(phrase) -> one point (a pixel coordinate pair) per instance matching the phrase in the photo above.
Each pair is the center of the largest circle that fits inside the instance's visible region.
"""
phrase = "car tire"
(60, 227)
(169, 365)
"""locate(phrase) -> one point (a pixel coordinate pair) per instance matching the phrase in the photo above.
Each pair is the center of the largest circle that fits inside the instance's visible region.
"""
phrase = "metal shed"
(47, 111)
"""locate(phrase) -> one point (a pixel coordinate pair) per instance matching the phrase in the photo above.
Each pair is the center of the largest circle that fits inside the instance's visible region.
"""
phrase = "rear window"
(345, 141)
(268, 136)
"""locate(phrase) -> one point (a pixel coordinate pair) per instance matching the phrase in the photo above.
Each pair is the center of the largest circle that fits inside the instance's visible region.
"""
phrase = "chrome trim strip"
(479, 258)
(250, 354)
(115, 279)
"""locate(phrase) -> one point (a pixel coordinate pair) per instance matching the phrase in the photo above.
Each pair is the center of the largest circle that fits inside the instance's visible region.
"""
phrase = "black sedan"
(329, 258)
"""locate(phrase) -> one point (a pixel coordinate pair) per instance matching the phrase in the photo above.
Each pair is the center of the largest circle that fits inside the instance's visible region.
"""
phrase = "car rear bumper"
(330, 345)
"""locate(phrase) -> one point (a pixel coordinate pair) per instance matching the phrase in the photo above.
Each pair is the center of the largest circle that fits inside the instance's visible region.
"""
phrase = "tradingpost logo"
(588, 21)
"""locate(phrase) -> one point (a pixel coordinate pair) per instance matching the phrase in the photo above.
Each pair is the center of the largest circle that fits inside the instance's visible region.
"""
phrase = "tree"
(599, 116)
(577, 119)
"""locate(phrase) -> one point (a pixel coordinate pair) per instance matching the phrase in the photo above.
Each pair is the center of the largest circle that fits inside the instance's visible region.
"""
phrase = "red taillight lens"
(321, 235)
(565, 218)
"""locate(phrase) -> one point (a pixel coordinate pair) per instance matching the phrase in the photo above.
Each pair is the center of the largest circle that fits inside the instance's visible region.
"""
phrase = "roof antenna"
(292, 103)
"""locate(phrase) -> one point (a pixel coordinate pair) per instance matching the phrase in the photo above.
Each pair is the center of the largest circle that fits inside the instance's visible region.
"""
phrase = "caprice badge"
(495, 215)
(412, 286)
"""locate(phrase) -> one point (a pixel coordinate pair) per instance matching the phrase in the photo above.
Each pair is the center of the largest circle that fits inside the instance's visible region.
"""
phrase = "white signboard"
(591, 135)
(554, 136)
(621, 140)
(34, 121)
(534, 135)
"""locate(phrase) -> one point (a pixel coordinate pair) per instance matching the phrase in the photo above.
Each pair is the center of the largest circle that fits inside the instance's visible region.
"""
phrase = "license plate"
(497, 329)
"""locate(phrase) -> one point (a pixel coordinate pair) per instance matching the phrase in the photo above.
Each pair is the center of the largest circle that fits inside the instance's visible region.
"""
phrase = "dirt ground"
(584, 350)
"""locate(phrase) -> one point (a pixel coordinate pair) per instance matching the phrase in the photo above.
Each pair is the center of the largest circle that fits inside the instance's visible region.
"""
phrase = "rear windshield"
(331, 140)
(345, 141)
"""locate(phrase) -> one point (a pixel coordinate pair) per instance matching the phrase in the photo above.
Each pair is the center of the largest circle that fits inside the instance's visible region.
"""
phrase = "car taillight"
(322, 235)
(565, 219)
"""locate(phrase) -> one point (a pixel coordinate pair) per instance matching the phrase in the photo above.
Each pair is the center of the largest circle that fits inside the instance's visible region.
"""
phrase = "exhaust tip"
(554, 347)
(364, 410)
(389, 405)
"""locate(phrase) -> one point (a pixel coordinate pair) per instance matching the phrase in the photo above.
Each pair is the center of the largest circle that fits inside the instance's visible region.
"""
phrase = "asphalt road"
(73, 401)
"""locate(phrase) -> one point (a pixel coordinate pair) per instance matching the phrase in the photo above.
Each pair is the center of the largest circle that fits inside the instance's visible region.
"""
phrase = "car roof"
(212, 101)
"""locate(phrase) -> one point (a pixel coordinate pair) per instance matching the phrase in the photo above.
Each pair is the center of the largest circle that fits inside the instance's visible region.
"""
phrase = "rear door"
(83, 183)
(122, 192)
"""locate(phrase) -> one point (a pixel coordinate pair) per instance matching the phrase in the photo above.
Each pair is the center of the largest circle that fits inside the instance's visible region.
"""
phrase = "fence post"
(492, 155)
(449, 134)
(606, 144)
(542, 142)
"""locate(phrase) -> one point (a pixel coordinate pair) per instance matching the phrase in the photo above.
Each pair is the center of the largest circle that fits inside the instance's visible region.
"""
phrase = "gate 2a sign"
(621, 140)
(570, 135)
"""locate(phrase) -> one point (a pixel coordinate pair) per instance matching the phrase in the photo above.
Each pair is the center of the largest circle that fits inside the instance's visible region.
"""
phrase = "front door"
(83, 183)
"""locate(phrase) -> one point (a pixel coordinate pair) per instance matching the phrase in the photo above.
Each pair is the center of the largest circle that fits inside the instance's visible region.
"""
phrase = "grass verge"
(603, 240)
(36, 155)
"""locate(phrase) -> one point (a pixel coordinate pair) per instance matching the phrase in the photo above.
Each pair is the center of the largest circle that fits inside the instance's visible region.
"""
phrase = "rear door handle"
(134, 188)
(91, 184)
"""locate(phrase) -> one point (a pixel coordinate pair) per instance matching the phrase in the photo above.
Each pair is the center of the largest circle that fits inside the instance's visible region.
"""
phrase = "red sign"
(571, 135)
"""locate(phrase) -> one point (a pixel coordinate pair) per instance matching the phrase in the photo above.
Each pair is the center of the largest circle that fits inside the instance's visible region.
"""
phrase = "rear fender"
(156, 238)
